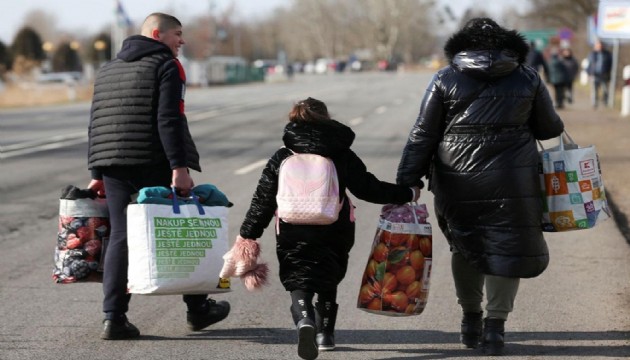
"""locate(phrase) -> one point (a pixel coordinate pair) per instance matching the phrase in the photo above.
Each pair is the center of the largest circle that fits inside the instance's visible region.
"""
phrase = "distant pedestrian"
(559, 77)
(599, 69)
(475, 139)
(573, 68)
(536, 59)
(314, 258)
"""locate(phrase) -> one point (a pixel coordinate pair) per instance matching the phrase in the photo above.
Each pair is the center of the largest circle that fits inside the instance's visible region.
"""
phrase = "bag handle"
(561, 141)
(413, 205)
(192, 197)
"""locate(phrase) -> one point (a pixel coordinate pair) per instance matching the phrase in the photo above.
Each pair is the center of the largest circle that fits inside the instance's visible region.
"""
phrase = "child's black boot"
(325, 317)
(304, 318)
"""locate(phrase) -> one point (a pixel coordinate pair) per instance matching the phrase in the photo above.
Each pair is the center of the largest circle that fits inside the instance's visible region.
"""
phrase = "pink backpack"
(308, 190)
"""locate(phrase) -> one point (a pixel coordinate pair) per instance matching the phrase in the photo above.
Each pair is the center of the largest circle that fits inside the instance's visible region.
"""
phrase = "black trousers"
(559, 94)
(120, 184)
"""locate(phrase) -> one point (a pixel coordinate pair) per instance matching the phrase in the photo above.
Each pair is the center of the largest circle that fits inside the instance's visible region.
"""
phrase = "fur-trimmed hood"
(483, 47)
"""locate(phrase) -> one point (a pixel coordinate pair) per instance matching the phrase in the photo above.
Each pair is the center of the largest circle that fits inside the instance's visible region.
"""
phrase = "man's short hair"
(163, 22)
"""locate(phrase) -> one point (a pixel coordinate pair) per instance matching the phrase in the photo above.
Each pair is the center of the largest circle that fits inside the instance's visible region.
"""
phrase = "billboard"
(613, 19)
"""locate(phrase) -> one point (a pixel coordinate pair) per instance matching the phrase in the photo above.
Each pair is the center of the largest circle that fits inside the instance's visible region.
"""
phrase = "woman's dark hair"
(309, 110)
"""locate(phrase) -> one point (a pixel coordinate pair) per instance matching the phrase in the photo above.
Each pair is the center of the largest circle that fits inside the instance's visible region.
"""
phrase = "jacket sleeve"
(170, 113)
(590, 63)
(263, 205)
(366, 186)
(545, 122)
(424, 137)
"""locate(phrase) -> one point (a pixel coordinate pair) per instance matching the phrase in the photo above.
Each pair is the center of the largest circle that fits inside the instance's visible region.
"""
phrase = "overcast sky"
(90, 16)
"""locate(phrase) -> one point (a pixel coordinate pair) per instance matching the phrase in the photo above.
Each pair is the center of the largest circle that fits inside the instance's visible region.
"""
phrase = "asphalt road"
(578, 309)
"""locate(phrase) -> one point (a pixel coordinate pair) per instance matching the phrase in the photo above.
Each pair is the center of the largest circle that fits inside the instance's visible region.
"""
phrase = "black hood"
(137, 46)
(490, 51)
(325, 138)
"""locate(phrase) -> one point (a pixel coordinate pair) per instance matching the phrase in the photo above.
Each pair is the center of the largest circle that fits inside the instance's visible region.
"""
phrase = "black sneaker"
(119, 330)
(211, 312)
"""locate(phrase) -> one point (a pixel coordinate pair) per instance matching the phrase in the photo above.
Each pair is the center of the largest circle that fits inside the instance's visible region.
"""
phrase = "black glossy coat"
(315, 257)
(485, 168)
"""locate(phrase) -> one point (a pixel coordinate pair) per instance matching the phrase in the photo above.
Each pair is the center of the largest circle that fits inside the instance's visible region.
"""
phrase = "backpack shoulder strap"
(290, 151)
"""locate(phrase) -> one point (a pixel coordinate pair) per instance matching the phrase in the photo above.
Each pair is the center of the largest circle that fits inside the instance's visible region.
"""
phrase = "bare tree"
(98, 49)
(315, 21)
(337, 28)
(6, 59)
(66, 58)
(43, 23)
(198, 38)
(568, 13)
(27, 50)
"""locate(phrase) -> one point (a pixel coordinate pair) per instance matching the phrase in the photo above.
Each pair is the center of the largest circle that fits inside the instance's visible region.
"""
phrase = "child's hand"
(416, 193)
(242, 261)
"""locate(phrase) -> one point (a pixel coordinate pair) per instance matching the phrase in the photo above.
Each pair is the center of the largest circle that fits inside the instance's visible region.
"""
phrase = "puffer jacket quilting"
(484, 170)
(123, 127)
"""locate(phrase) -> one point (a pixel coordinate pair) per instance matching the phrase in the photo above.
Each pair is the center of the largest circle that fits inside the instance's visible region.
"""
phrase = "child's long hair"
(309, 110)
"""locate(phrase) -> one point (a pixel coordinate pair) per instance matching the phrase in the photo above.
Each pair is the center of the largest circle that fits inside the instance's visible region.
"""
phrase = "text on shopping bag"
(180, 243)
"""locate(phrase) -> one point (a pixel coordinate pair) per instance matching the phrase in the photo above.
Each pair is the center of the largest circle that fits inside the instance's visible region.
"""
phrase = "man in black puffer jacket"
(139, 137)
(475, 139)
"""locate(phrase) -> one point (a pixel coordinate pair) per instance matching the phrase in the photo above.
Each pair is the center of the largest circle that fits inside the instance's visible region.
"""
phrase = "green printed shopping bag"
(176, 249)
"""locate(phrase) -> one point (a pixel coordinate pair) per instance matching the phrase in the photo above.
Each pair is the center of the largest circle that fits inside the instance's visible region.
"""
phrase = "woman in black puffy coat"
(314, 258)
(475, 139)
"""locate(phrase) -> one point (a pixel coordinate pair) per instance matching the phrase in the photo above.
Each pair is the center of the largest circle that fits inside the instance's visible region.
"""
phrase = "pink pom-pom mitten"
(242, 261)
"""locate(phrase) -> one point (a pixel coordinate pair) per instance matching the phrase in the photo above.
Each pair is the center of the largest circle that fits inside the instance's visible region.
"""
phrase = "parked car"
(68, 78)
(324, 65)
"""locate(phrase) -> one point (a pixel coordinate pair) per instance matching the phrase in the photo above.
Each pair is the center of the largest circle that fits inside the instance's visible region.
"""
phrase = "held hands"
(416, 193)
(182, 181)
(242, 261)
(98, 187)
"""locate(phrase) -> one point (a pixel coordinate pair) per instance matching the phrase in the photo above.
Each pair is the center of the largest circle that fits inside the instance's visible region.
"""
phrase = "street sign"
(613, 19)
(540, 37)
(565, 33)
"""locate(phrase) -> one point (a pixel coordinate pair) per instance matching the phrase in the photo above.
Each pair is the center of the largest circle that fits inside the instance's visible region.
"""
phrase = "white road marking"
(251, 167)
(5, 154)
(380, 109)
(356, 121)
(203, 116)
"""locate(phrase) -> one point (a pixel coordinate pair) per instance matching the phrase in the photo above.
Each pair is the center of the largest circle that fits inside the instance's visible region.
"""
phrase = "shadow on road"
(620, 218)
(561, 344)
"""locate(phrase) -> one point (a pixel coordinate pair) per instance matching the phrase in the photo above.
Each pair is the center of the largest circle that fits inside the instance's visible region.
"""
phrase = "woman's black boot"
(325, 318)
(471, 329)
(493, 335)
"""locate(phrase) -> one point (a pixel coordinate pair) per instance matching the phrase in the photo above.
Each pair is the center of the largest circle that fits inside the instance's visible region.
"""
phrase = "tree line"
(400, 30)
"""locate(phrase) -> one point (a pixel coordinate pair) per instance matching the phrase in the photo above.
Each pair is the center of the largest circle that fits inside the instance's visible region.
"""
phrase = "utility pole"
(212, 27)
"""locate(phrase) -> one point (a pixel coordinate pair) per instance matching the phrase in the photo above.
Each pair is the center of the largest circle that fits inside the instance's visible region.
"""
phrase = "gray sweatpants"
(469, 282)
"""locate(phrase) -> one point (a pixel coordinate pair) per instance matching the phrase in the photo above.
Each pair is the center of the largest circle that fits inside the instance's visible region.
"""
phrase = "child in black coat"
(313, 258)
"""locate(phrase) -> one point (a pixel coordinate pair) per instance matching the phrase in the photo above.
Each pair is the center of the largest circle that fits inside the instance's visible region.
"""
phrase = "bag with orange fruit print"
(396, 278)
